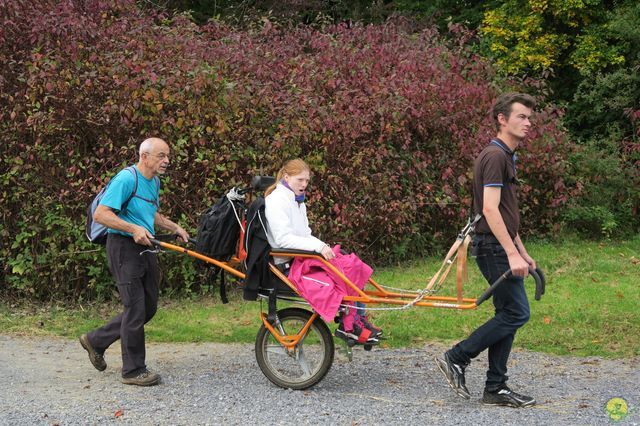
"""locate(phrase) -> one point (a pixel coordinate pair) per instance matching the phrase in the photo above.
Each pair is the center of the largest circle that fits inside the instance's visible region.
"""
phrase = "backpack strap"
(156, 179)
(132, 170)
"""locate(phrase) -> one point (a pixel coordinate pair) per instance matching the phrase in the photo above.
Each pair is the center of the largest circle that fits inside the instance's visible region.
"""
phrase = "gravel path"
(50, 381)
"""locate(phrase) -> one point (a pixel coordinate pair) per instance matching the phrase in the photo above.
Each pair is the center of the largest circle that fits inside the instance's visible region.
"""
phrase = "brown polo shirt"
(495, 166)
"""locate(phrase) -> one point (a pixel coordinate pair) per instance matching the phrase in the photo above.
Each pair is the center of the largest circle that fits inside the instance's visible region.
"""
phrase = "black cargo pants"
(137, 275)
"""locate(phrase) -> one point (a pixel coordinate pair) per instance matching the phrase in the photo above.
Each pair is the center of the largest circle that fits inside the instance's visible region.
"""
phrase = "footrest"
(351, 340)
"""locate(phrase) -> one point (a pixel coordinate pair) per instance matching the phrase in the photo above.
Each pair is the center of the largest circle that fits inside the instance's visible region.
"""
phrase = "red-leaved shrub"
(389, 121)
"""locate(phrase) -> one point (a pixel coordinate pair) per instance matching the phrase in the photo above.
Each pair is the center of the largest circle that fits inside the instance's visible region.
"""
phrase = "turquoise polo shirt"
(142, 208)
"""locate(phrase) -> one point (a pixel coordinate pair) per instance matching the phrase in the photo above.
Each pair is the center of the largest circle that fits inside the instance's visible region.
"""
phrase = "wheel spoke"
(277, 349)
(302, 362)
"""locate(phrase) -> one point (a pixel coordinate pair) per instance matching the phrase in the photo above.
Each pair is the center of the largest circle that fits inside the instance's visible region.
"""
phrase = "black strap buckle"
(272, 314)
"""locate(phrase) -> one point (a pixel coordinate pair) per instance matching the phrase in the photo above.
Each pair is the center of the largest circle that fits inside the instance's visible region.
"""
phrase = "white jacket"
(287, 223)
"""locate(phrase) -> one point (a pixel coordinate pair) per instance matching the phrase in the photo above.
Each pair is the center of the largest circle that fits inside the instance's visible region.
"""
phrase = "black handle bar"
(167, 238)
(258, 183)
(538, 277)
(242, 191)
(164, 237)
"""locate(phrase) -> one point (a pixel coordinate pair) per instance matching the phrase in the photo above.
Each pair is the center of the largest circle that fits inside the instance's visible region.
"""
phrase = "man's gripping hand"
(519, 266)
(182, 234)
(142, 236)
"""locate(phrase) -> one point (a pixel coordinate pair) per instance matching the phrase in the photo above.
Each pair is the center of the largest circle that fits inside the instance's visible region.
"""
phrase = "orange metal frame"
(377, 295)
(288, 341)
(380, 295)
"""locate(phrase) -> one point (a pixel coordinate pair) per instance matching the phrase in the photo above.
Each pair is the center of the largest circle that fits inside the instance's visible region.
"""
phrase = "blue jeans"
(511, 313)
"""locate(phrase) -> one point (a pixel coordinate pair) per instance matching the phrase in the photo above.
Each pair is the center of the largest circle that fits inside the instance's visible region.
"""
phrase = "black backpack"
(219, 229)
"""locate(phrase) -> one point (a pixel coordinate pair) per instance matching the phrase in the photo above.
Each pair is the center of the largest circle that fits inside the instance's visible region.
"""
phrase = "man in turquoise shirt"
(134, 267)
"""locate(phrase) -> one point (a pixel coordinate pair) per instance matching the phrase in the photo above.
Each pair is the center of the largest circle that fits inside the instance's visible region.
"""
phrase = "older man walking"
(129, 209)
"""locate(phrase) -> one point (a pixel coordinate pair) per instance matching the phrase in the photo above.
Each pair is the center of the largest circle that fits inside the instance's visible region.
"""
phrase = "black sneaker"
(507, 397)
(144, 378)
(357, 336)
(96, 358)
(454, 374)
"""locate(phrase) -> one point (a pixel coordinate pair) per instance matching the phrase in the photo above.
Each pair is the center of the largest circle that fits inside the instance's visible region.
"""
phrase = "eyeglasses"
(161, 156)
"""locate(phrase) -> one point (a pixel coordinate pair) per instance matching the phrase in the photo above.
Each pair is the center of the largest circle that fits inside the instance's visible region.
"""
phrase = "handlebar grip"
(542, 278)
(488, 292)
(163, 237)
(538, 277)
(166, 237)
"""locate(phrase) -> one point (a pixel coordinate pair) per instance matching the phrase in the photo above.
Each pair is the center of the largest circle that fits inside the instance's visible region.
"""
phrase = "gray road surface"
(46, 381)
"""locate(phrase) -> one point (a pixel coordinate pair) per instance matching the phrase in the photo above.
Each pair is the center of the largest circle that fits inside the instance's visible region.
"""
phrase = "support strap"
(272, 315)
(223, 289)
(461, 266)
(446, 264)
(463, 240)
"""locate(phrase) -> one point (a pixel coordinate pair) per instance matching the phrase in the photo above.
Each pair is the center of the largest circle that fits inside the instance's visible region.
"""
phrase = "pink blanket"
(323, 289)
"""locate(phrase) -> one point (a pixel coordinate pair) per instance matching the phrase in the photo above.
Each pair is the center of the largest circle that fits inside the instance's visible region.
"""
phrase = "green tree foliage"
(439, 12)
(445, 12)
(609, 198)
(588, 49)
(599, 105)
(294, 11)
(571, 42)
(531, 36)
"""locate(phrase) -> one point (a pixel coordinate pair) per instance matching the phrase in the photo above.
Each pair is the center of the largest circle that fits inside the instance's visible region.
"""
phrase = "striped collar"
(505, 148)
(514, 157)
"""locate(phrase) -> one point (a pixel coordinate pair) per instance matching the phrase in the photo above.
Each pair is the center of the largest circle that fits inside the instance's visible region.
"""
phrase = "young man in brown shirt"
(498, 248)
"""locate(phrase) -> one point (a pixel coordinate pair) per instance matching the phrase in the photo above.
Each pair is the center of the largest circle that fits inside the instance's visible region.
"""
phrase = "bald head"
(154, 157)
(151, 144)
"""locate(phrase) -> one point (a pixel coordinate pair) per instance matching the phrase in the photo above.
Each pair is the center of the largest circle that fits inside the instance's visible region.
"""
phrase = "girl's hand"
(327, 253)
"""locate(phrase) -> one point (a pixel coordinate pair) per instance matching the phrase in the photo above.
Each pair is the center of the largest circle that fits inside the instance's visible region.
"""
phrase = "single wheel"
(304, 365)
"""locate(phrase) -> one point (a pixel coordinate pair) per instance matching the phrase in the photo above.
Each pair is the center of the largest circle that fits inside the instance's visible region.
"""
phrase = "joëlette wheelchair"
(294, 346)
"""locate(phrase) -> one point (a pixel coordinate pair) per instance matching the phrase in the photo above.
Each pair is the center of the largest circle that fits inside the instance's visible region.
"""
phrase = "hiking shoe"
(507, 397)
(357, 336)
(144, 378)
(363, 321)
(454, 374)
(96, 358)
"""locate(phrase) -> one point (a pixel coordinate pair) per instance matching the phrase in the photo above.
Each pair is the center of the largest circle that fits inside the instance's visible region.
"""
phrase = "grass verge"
(590, 307)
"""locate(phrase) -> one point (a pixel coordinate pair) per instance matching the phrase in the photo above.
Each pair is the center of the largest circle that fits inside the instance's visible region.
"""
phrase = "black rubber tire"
(287, 370)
